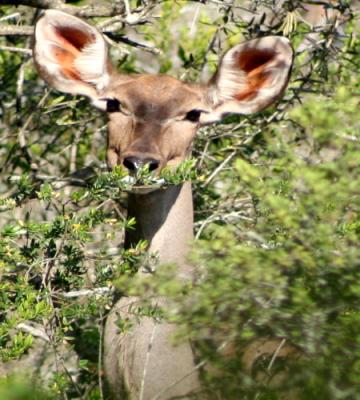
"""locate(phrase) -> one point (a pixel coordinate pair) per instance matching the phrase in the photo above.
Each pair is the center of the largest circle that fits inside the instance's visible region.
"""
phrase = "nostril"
(133, 164)
(153, 164)
(130, 163)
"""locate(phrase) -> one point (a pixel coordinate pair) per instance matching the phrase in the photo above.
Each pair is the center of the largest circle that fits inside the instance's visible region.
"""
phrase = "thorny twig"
(106, 10)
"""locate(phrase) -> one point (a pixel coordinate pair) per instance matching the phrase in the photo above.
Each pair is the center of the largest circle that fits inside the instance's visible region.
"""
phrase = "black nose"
(133, 164)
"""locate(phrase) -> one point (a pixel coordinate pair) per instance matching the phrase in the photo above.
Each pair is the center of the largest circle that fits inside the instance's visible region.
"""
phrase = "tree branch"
(16, 49)
(108, 10)
(15, 30)
(115, 13)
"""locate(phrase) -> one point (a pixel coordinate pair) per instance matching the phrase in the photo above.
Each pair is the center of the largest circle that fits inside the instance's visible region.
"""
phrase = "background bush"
(276, 205)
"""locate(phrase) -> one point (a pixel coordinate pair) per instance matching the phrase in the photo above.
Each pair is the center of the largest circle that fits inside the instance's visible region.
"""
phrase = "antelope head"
(153, 119)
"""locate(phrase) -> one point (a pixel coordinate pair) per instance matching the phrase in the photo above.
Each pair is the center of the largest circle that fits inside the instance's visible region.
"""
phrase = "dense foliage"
(276, 208)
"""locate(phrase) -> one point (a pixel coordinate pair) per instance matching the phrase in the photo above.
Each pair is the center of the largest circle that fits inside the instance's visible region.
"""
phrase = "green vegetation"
(276, 215)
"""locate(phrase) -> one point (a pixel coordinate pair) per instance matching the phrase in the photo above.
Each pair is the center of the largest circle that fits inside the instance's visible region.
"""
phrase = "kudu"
(153, 120)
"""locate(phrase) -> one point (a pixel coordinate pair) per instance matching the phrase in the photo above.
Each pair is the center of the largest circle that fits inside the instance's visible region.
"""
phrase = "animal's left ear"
(250, 77)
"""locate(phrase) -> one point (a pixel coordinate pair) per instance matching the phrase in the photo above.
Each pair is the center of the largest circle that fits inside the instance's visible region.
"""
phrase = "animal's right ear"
(71, 55)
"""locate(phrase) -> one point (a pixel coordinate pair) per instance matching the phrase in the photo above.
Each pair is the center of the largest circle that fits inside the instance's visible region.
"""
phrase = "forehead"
(154, 94)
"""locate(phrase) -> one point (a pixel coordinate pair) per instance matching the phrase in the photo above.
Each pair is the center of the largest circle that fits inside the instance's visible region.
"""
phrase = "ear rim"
(51, 73)
(220, 108)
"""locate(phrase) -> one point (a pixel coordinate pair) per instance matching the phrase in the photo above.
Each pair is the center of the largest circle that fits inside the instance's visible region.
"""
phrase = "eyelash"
(193, 115)
(113, 105)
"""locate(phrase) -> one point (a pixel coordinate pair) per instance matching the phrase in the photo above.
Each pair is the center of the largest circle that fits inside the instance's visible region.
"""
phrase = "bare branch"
(14, 16)
(101, 291)
(21, 133)
(15, 30)
(34, 331)
(16, 49)
(34, 3)
(108, 10)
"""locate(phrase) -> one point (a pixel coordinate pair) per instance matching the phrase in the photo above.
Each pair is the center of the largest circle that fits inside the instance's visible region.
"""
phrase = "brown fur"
(157, 129)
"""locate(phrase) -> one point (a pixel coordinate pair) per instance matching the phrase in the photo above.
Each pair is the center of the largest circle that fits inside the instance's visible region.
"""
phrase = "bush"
(276, 208)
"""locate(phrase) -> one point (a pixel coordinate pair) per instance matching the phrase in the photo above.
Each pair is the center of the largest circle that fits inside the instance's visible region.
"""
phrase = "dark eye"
(193, 115)
(112, 105)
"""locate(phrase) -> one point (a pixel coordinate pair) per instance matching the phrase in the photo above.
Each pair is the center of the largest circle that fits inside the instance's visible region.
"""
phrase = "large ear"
(70, 54)
(249, 78)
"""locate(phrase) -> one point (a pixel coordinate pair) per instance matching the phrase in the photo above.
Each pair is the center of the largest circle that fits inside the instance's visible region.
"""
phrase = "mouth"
(111, 183)
(136, 186)
(145, 181)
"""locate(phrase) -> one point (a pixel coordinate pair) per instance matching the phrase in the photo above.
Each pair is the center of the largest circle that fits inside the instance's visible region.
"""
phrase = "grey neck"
(164, 218)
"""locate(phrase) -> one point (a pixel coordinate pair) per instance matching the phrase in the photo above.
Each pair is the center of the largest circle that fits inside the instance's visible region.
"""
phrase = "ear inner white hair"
(70, 54)
(250, 77)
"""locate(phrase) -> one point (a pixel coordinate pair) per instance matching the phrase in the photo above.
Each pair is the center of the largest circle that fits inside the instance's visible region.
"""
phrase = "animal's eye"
(193, 115)
(112, 105)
